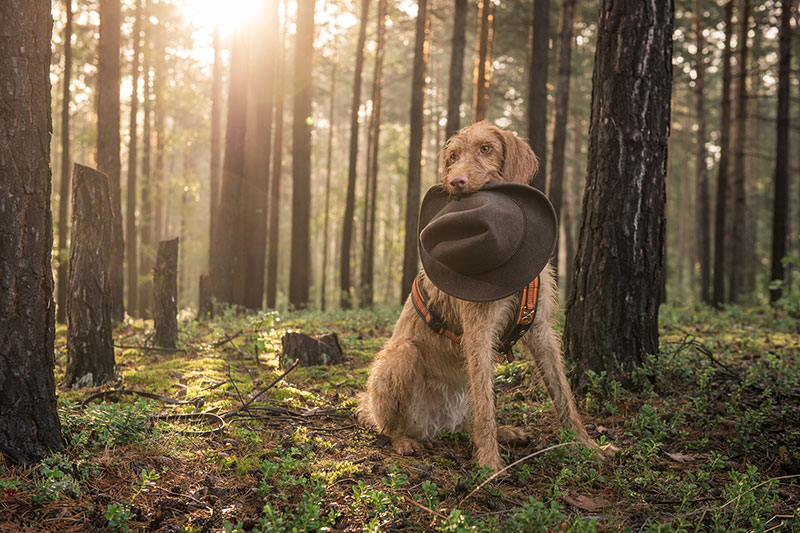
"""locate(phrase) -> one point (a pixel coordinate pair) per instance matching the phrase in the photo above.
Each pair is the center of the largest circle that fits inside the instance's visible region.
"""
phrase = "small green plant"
(55, 478)
(117, 515)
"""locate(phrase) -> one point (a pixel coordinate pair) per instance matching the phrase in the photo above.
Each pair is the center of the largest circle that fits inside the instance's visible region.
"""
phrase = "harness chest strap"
(525, 315)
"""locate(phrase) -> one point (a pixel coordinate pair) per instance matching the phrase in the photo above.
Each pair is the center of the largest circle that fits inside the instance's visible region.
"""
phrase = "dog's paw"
(607, 452)
(512, 435)
(406, 446)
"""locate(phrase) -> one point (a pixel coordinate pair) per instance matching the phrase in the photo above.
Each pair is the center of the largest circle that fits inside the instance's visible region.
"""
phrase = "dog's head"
(483, 152)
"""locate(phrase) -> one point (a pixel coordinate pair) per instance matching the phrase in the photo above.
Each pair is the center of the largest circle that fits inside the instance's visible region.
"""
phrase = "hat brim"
(530, 259)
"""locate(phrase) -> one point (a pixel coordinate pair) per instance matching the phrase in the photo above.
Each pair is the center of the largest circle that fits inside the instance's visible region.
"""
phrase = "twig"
(518, 461)
(150, 348)
(197, 402)
(239, 394)
(191, 416)
(424, 507)
(262, 391)
(227, 338)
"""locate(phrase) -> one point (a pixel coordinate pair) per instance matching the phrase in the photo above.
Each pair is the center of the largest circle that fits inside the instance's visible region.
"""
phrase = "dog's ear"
(520, 164)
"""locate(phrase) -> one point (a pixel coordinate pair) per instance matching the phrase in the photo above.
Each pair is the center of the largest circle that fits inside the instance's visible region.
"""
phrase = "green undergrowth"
(709, 439)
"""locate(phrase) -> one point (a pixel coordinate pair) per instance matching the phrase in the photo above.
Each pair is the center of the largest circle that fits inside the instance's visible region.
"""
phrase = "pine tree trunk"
(612, 319)
(780, 206)
(90, 352)
(63, 206)
(483, 61)
(556, 190)
(146, 252)
(739, 211)
(456, 80)
(227, 260)
(368, 269)
(537, 86)
(130, 226)
(345, 296)
(108, 142)
(410, 252)
(29, 424)
(158, 182)
(277, 166)
(300, 269)
(719, 296)
(215, 171)
(703, 220)
(165, 294)
(328, 170)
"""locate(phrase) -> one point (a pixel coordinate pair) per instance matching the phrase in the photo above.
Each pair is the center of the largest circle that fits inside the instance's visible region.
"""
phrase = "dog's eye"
(452, 158)
(485, 149)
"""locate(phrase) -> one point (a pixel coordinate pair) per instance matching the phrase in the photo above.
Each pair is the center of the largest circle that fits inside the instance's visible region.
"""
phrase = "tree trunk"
(90, 352)
(158, 182)
(328, 169)
(780, 205)
(701, 174)
(130, 228)
(146, 210)
(63, 205)
(739, 211)
(345, 296)
(205, 307)
(215, 172)
(456, 81)
(537, 86)
(300, 270)
(228, 233)
(719, 296)
(29, 424)
(165, 294)
(368, 268)
(570, 212)
(410, 252)
(255, 192)
(562, 100)
(483, 61)
(612, 319)
(108, 160)
(277, 166)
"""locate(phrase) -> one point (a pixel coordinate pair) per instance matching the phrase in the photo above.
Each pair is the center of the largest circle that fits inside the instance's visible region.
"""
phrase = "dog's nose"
(459, 181)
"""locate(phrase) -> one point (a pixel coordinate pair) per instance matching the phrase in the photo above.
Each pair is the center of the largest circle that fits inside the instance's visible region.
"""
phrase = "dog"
(422, 382)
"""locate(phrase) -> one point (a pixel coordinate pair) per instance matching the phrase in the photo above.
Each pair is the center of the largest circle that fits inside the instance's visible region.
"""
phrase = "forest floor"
(709, 440)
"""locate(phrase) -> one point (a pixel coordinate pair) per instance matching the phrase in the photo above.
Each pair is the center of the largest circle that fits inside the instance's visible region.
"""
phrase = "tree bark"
(612, 319)
(739, 211)
(130, 228)
(719, 296)
(146, 253)
(483, 61)
(556, 190)
(29, 424)
(63, 205)
(780, 205)
(701, 173)
(368, 267)
(456, 81)
(537, 86)
(165, 294)
(300, 270)
(410, 252)
(277, 167)
(90, 351)
(345, 296)
(108, 141)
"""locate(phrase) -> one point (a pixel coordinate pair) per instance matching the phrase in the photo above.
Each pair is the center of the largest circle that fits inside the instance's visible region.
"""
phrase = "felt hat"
(487, 244)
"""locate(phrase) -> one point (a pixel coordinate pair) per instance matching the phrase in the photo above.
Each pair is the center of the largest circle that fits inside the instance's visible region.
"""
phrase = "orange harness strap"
(528, 298)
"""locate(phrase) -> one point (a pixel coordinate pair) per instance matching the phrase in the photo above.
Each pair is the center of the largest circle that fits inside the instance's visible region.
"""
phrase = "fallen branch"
(197, 402)
(149, 348)
(245, 405)
(227, 338)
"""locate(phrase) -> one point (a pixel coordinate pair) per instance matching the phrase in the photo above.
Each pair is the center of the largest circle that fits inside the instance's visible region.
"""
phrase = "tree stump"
(90, 349)
(165, 294)
(310, 351)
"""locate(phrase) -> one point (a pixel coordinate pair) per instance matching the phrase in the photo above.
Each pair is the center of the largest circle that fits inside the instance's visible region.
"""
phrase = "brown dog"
(422, 382)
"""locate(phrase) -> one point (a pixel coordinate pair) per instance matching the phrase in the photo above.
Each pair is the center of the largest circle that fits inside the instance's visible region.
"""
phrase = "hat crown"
(475, 234)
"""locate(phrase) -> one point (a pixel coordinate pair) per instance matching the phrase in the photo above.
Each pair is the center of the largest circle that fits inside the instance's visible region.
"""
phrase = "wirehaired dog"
(422, 382)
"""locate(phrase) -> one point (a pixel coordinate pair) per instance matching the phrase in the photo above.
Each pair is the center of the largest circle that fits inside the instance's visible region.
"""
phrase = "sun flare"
(228, 15)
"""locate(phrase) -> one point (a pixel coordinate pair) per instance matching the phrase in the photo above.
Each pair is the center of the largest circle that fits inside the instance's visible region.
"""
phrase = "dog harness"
(526, 311)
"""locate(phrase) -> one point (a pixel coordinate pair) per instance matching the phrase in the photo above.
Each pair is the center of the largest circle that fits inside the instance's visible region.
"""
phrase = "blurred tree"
(146, 252)
(612, 318)
(537, 86)
(215, 170)
(108, 141)
(703, 207)
(63, 206)
(130, 226)
(328, 170)
(780, 205)
(300, 269)
(345, 296)
(456, 79)
(29, 424)
(410, 253)
(483, 61)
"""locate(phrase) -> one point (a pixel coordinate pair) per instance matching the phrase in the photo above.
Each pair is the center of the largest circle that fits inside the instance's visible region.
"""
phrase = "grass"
(709, 439)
